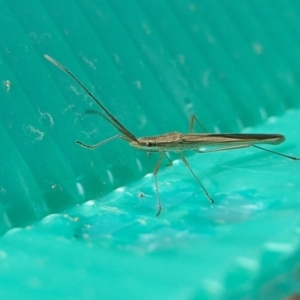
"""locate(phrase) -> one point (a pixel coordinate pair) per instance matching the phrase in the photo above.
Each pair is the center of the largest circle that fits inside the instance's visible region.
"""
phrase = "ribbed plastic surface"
(235, 64)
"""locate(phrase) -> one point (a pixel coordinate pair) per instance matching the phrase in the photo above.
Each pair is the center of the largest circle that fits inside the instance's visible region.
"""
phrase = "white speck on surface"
(89, 62)
(112, 209)
(214, 286)
(121, 189)
(181, 59)
(74, 90)
(247, 263)
(69, 107)
(205, 77)
(139, 164)
(32, 131)
(34, 282)
(3, 254)
(146, 28)
(279, 247)
(258, 48)
(2, 190)
(110, 176)
(90, 203)
(272, 119)
(7, 85)
(142, 221)
(149, 175)
(51, 218)
(263, 113)
(210, 38)
(138, 84)
(192, 7)
(176, 162)
(117, 58)
(80, 188)
(46, 116)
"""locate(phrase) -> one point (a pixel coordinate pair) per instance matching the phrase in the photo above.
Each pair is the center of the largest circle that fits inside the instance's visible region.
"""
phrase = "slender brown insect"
(180, 142)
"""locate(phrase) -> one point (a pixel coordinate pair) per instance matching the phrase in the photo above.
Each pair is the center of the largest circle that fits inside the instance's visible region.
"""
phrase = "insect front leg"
(98, 144)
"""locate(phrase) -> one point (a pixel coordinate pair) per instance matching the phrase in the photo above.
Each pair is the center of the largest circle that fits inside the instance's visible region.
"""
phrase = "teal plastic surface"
(80, 224)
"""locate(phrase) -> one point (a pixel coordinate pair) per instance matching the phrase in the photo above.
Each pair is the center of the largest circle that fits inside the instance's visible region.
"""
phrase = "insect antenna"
(127, 134)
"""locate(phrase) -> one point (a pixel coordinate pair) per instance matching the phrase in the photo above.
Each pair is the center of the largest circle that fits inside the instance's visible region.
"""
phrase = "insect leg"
(156, 185)
(192, 121)
(168, 158)
(98, 144)
(277, 153)
(202, 186)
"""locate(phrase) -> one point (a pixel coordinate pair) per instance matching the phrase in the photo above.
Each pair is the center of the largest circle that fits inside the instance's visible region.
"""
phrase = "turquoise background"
(80, 224)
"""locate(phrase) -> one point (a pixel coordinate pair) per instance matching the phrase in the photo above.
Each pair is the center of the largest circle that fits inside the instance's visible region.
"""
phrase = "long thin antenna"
(127, 134)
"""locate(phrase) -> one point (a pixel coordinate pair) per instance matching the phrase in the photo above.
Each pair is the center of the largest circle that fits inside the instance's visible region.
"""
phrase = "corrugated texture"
(153, 64)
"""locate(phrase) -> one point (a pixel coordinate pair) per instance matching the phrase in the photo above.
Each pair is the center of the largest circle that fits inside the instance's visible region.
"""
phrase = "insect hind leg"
(276, 153)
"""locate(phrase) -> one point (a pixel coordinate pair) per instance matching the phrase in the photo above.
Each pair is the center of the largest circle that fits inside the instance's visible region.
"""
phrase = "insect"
(180, 142)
